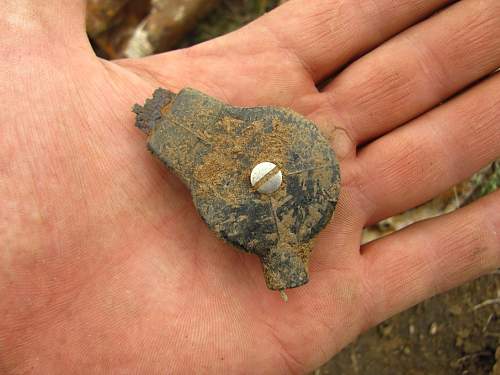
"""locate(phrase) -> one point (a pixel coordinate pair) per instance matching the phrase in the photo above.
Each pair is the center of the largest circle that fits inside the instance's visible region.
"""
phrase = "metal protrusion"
(283, 295)
(266, 177)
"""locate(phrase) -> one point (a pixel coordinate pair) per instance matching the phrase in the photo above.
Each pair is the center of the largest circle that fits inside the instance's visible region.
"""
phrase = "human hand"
(105, 265)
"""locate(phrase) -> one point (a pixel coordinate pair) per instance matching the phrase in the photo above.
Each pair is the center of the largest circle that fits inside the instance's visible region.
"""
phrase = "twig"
(488, 322)
(487, 303)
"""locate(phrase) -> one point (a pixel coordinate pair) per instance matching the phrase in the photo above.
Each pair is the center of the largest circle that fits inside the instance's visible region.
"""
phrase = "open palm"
(105, 265)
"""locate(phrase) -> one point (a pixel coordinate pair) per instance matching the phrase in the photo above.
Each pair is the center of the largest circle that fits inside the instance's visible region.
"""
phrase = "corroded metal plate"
(213, 148)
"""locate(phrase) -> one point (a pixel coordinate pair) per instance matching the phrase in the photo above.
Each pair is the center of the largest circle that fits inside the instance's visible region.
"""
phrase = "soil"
(454, 333)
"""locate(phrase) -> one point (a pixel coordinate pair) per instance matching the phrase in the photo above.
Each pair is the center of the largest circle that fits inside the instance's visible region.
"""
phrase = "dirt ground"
(455, 333)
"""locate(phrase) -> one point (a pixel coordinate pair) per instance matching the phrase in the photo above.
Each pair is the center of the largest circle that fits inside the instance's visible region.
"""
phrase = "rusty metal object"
(213, 148)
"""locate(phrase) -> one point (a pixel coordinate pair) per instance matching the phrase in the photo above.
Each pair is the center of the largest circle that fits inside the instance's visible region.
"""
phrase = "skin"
(105, 267)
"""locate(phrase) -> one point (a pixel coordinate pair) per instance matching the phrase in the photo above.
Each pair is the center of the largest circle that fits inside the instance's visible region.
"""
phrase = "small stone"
(433, 329)
(385, 330)
(411, 329)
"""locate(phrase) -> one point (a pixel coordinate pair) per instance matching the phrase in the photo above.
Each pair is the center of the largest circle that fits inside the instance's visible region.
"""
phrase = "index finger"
(324, 35)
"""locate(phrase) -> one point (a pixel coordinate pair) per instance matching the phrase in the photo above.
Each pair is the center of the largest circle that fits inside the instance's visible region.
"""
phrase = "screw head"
(266, 178)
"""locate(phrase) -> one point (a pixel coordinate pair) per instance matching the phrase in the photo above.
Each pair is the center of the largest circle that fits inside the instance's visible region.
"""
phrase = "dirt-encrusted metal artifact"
(264, 179)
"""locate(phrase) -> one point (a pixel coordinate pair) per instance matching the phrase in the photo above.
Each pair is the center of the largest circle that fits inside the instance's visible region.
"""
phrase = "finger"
(314, 38)
(325, 35)
(338, 235)
(418, 69)
(424, 158)
(52, 21)
(431, 257)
